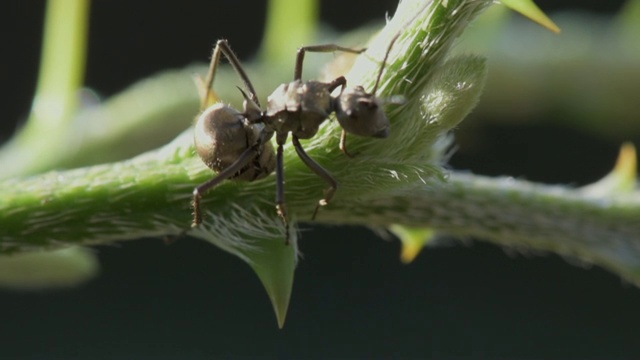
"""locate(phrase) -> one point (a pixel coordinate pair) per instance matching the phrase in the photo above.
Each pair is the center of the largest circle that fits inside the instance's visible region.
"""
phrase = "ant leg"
(205, 91)
(320, 171)
(281, 207)
(342, 83)
(343, 144)
(207, 96)
(223, 46)
(339, 81)
(241, 162)
(384, 60)
(297, 75)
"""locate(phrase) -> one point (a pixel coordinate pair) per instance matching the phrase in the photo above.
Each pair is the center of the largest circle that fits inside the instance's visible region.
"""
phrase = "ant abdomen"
(222, 135)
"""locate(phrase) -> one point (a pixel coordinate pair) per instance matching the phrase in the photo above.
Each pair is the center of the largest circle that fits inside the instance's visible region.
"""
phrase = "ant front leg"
(320, 171)
(343, 145)
(222, 46)
(297, 75)
(341, 82)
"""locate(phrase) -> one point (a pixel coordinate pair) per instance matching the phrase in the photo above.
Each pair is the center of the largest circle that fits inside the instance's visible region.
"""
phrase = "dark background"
(352, 297)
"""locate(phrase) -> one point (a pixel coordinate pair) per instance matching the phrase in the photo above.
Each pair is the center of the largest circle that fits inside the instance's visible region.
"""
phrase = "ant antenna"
(393, 40)
(384, 62)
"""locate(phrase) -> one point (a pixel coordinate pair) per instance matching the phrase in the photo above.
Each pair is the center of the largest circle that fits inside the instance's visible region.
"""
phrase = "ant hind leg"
(297, 75)
(222, 46)
(281, 206)
(223, 175)
(320, 171)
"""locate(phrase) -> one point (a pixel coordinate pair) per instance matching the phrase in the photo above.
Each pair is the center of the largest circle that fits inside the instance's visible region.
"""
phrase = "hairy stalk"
(528, 217)
(399, 180)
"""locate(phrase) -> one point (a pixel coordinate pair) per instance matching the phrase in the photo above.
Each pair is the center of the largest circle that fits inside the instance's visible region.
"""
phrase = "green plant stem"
(62, 66)
(86, 207)
(523, 216)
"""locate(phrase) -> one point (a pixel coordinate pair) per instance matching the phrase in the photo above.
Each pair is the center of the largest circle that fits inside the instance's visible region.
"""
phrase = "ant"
(237, 144)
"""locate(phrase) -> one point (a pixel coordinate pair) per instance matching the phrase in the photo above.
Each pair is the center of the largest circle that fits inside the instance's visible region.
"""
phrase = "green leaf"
(529, 9)
(275, 265)
(622, 179)
(413, 239)
(46, 270)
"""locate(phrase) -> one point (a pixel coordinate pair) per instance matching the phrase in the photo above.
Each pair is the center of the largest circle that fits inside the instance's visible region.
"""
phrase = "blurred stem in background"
(37, 145)
(585, 79)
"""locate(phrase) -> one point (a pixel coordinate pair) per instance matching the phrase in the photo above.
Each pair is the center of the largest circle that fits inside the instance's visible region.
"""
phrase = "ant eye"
(369, 103)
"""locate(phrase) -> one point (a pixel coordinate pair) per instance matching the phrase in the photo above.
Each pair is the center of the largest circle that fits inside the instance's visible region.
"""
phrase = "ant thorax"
(298, 107)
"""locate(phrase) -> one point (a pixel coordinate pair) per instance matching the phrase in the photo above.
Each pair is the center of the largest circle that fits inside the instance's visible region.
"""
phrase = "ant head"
(361, 113)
